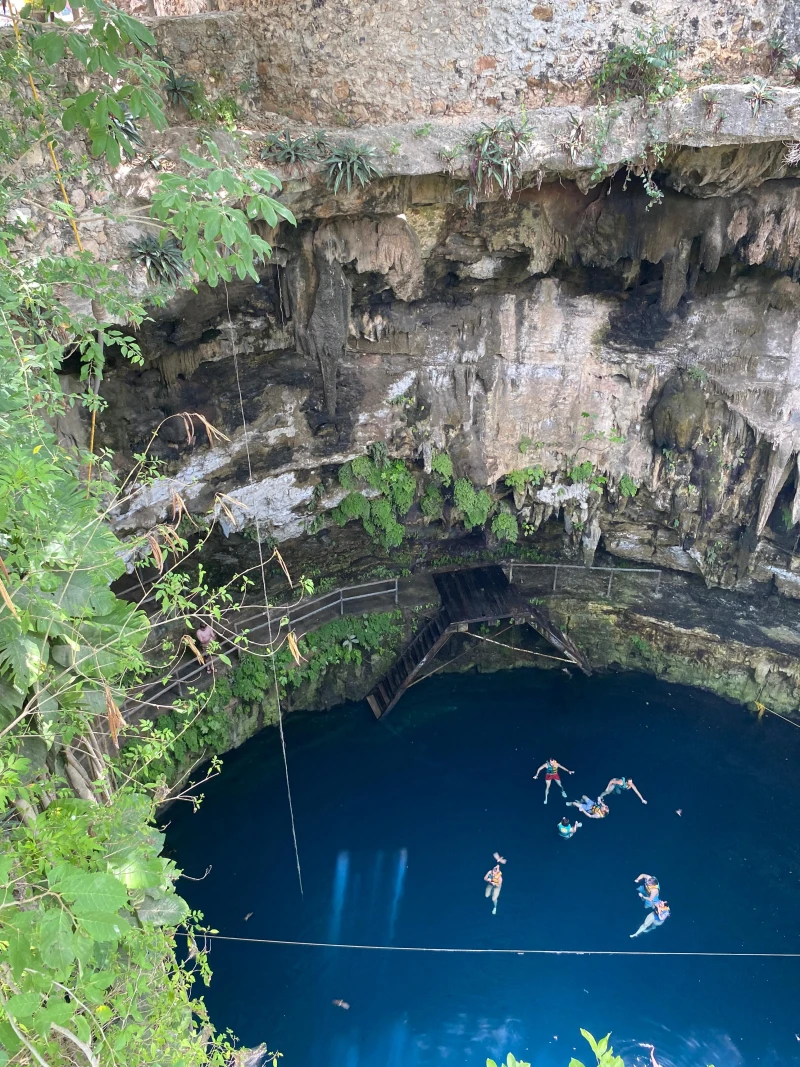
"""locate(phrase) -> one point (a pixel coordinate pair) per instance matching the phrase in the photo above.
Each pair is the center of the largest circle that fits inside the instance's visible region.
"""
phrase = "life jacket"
(495, 876)
(662, 910)
(565, 831)
(596, 809)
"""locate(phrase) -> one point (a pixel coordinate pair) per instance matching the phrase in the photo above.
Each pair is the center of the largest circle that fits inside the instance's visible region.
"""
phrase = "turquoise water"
(397, 823)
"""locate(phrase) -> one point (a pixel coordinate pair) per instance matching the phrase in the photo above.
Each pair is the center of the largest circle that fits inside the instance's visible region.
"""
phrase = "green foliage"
(639, 644)
(787, 521)
(526, 444)
(161, 256)
(343, 641)
(473, 504)
(760, 95)
(423, 130)
(442, 465)
(432, 502)
(646, 68)
(778, 51)
(585, 472)
(350, 162)
(180, 89)
(604, 1055)
(792, 68)
(510, 1061)
(111, 47)
(296, 152)
(505, 527)
(354, 506)
(223, 111)
(698, 374)
(627, 486)
(89, 914)
(395, 147)
(521, 479)
(494, 158)
(396, 485)
(210, 213)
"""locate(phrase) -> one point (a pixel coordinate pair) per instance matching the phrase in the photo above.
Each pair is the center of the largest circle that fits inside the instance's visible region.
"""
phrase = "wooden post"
(610, 579)
(555, 577)
(341, 603)
(396, 592)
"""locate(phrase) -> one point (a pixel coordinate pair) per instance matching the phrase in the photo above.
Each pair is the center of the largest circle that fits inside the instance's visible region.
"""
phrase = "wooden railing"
(337, 602)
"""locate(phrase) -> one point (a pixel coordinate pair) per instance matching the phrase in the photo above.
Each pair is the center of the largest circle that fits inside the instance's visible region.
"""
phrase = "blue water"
(397, 823)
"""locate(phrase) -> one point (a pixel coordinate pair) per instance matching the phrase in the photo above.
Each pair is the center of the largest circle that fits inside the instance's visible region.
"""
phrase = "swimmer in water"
(551, 769)
(619, 786)
(592, 809)
(494, 882)
(653, 1061)
(566, 829)
(649, 891)
(657, 917)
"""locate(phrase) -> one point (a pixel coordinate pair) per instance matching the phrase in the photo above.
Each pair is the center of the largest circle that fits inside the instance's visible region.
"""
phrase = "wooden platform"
(480, 594)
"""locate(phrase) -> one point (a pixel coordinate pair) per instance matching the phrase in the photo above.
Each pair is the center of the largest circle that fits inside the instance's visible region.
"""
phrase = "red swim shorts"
(552, 777)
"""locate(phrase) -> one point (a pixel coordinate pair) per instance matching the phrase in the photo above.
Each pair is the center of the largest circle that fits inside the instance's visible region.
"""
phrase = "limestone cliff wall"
(382, 60)
(568, 325)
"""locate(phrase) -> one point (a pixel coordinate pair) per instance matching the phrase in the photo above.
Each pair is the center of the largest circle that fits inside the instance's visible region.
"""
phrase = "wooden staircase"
(480, 594)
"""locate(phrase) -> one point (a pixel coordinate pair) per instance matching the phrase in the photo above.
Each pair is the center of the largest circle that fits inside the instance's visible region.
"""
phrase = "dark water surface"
(397, 823)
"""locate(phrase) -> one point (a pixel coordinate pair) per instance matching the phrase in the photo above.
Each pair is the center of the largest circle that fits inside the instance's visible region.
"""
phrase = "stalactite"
(780, 463)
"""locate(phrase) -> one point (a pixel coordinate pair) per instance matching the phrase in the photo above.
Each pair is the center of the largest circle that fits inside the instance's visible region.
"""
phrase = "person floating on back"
(494, 882)
(566, 829)
(649, 891)
(657, 917)
(551, 769)
(592, 809)
(621, 785)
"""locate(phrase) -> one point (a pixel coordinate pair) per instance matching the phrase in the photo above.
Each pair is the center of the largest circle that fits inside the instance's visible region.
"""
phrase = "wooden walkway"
(481, 594)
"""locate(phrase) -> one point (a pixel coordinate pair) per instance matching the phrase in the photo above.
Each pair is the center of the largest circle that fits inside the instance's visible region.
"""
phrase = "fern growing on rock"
(473, 504)
(505, 527)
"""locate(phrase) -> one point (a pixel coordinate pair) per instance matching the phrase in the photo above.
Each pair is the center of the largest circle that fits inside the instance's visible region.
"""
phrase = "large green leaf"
(23, 1005)
(93, 892)
(137, 871)
(57, 1010)
(103, 926)
(162, 909)
(23, 656)
(57, 945)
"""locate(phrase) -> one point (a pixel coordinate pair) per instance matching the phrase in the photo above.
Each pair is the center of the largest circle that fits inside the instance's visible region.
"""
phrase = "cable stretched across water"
(504, 951)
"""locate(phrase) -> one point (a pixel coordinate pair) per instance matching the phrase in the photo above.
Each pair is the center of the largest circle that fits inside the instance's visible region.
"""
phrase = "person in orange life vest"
(657, 917)
(494, 882)
(551, 769)
(649, 891)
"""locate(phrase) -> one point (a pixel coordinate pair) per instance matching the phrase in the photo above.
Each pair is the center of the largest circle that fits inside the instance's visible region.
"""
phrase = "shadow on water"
(397, 823)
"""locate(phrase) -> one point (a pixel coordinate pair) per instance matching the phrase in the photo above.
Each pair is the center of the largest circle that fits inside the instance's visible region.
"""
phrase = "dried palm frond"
(291, 640)
(116, 723)
(190, 643)
(155, 549)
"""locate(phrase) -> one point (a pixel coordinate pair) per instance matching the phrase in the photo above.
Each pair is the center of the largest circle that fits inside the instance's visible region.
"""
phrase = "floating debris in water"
(341, 1004)
(247, 916)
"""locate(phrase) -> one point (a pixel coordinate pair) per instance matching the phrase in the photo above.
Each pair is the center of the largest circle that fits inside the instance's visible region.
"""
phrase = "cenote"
(397, 822)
